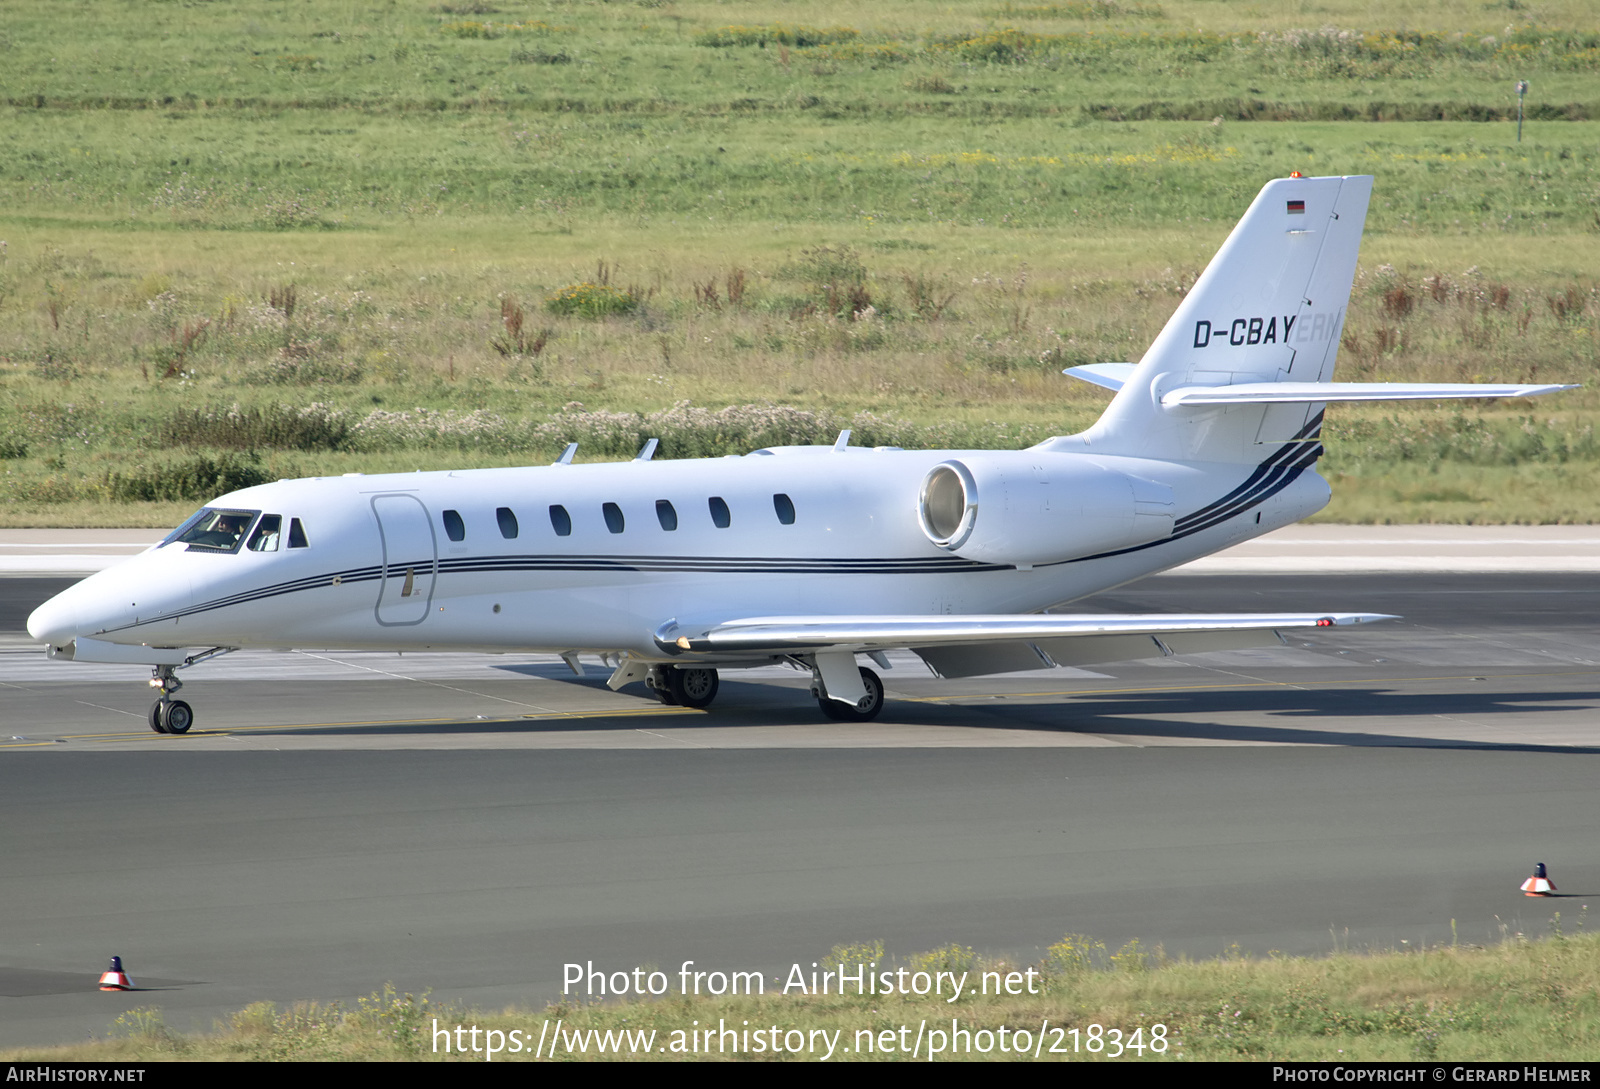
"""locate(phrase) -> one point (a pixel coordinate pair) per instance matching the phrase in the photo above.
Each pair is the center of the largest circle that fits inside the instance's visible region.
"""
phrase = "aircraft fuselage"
(379, 568)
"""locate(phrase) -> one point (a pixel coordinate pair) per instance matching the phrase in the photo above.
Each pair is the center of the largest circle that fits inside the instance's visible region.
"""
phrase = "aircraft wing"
(959, 646)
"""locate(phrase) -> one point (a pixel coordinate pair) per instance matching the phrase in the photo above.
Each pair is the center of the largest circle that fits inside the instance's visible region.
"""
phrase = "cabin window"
(666, 515)
(297, 534)
(560, 520)
(785, 508)
(265, 538)
(454, 527)
(721, 517)
(508, 522)
(614, 520)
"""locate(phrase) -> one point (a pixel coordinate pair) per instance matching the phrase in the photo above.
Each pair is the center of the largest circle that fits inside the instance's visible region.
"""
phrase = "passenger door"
(410, 559)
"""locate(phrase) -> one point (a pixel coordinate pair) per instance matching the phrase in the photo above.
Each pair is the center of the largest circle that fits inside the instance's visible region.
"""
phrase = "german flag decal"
(1297, 207)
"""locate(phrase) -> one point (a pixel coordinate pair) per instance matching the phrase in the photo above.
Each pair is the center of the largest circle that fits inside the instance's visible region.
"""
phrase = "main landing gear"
(865, 710)
(167, 715)
(683, 686)
(696, 686)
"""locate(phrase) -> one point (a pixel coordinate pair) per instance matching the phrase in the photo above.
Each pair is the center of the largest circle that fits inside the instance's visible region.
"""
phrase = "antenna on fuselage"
(566, 455)
(648, 450)
(843, 441)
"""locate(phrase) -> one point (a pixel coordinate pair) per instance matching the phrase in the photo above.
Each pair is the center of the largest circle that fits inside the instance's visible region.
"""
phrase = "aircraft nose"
(56, 621)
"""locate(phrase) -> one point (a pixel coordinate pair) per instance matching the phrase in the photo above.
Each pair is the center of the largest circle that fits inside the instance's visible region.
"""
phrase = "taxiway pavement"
(472, 823)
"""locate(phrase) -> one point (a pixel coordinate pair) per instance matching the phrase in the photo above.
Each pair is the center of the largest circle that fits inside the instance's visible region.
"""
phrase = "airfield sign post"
(1522, 90)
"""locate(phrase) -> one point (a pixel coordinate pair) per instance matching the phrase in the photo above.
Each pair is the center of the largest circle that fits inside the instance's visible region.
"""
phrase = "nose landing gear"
(167, 715)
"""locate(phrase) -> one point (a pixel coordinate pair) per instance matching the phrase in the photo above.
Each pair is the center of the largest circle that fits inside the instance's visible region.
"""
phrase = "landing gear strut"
(167, 715)
(683, 686)
(864, 711)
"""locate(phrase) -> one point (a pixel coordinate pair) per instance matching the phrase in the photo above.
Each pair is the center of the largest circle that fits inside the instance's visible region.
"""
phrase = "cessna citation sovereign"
(671, 571)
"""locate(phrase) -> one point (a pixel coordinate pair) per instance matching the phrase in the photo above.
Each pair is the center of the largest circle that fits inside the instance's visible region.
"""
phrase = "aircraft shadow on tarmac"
(1143, 716)
(1147, 715)
(767, 704)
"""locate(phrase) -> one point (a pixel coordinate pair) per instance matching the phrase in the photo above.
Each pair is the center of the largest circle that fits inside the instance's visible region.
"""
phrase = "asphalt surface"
(471, 824)
(20, 596)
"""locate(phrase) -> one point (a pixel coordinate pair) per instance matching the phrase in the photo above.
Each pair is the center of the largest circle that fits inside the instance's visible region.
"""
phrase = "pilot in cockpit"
(265, 538)
(225, 534)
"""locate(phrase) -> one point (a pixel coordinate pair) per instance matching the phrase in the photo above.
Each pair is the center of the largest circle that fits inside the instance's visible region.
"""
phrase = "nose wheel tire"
(177, 717)
(693, 687)
(171, 717)
(865, 711)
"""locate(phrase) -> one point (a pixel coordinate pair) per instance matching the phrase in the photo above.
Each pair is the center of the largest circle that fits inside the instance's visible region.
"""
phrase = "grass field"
(1512, 1001)
(347, 228)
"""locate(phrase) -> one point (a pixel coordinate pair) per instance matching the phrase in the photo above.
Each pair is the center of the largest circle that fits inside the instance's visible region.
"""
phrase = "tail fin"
(1268, 308)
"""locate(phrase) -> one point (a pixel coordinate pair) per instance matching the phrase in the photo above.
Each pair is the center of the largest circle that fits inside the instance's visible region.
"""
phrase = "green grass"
(1513, 1001)
(371, 207)
(966, 59)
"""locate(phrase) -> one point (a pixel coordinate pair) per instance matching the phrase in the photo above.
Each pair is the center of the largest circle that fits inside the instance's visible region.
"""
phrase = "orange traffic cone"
(1539, 884)
(114, 978)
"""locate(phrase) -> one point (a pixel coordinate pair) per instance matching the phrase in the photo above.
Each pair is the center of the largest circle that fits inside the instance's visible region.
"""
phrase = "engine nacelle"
(1025, 508)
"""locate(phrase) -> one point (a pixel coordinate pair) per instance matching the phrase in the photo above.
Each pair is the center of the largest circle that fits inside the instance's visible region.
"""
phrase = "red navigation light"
(1295, 174)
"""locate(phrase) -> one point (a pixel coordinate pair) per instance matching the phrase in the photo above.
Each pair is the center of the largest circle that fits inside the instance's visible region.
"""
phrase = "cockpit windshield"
(188, 523)
(214, 530)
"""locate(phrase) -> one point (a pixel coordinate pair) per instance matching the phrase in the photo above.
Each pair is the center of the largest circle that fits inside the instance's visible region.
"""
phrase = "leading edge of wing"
(789, 634)
(1263, 393)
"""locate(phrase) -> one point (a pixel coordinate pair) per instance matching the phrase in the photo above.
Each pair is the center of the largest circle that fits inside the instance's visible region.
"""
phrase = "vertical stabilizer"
(1268, 308)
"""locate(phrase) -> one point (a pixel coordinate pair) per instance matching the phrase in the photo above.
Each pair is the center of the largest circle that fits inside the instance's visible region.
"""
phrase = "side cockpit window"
(297, 534)
(268, 530)
(214, 530)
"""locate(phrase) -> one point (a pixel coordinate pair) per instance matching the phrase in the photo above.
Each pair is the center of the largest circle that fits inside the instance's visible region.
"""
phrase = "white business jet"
(671, 571)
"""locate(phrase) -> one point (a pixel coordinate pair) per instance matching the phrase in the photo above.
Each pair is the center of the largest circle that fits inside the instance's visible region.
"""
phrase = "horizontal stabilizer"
(792, 634)
(1294, 393)
(1112, 376)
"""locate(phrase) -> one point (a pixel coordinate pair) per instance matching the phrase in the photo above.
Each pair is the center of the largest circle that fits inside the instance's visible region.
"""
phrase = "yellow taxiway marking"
(652, 712)
(662, 712)
(621, 713)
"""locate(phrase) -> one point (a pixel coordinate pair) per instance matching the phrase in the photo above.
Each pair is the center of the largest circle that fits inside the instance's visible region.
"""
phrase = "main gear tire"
(693, 687)
(870, 706)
